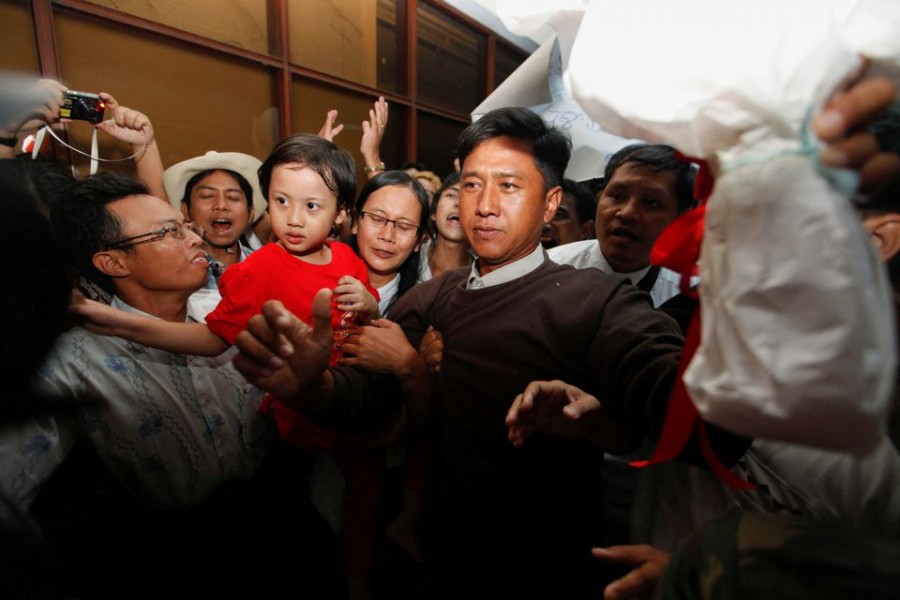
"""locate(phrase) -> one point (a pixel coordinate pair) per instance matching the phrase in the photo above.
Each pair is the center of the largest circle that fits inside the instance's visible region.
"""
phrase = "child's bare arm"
(184, 338)
(351, 294)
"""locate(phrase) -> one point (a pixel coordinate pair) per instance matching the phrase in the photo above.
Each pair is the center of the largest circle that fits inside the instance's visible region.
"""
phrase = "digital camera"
(80, 106)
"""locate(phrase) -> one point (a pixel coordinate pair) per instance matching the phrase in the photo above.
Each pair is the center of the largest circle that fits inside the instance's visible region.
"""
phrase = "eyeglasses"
(176, 230)
(376, 221)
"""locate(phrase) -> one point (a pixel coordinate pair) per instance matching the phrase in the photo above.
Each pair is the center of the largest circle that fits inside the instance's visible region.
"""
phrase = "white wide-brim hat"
(175, 178)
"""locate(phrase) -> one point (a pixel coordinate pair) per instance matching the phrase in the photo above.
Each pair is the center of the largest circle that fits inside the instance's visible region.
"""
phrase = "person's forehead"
(394, 200)
(633, 174)
(218, 180)
(143, 211)
(502, 153)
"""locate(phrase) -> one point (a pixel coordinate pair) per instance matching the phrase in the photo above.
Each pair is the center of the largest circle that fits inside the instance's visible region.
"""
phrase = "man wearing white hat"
(220, 192)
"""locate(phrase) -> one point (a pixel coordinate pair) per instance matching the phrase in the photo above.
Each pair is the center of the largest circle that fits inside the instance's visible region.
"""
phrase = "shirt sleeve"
(241, 290)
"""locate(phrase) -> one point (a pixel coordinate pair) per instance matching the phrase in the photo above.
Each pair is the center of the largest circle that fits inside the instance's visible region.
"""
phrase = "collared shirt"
(216, 267)
(172, 428)
(584, 254)
(506, 273)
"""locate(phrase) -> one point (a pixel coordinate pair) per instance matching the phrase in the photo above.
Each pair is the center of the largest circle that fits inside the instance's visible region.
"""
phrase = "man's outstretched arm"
(282, 355)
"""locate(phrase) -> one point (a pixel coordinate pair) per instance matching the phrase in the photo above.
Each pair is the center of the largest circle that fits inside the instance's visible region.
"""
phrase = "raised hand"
(329, 130)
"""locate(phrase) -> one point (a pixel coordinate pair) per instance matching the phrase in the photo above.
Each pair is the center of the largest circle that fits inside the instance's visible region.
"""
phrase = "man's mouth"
(221, 225)
(628, 234)
(382, 254)
(200, 259)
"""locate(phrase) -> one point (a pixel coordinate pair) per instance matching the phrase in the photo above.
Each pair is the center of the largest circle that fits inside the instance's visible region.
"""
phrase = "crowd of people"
(432, 390)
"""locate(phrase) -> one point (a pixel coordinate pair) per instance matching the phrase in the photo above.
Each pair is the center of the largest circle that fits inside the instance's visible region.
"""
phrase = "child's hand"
(351, 295)
(95, 316)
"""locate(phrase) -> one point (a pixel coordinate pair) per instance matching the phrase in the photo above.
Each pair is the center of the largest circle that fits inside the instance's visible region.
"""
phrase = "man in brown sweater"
(498, 512)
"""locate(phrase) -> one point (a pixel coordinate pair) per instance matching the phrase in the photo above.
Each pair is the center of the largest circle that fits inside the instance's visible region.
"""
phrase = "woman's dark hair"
(241, 181)
(409, 270)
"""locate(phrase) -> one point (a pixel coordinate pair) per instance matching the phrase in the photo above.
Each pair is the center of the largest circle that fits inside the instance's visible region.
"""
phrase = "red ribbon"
(678, 249)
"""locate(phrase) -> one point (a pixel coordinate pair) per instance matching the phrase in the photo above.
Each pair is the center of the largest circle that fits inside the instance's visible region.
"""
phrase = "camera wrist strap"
(95, 151)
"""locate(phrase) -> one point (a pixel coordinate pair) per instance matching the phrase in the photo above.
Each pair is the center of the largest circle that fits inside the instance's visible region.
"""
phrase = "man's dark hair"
(659, 158)
(550, 146)
(585, 201)
(333, 164)
(241, 181)
(84, 225)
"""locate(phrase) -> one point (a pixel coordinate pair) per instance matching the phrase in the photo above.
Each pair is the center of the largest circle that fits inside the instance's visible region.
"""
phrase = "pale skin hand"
(431, 349)
(351, 295)
(48, 95)
(280, 354)
(133, 127)
(649, 565)
(329, 130)
(560, 409)
(838, 126)
(372, 134)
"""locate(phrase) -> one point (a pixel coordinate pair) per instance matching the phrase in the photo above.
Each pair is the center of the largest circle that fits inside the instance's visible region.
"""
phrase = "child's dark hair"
(409, 270)
(333, 164)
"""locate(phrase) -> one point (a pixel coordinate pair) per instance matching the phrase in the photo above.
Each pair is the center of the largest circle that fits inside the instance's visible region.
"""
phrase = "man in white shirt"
(645, 188)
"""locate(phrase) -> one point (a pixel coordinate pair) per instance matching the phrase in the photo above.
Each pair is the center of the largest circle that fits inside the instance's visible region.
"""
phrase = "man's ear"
(340, 216)
(587, 230)
(885, 232)
(109, 262)
(187, 212)
(552, 199)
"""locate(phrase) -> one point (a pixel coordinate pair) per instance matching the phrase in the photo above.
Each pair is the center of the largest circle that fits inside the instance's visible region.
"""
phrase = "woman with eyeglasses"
(390, 222)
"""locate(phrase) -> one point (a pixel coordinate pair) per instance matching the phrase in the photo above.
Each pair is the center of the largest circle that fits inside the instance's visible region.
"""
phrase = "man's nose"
(628, 210)
(219, 203)
(488, 202)
(192, 238)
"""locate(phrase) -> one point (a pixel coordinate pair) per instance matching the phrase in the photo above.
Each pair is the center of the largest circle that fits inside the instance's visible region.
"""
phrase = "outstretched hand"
(649, 565)
(281, 354)
(560, 409)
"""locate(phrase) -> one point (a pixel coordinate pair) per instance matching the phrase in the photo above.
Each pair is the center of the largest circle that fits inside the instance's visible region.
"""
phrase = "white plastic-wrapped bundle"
(798, 332)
